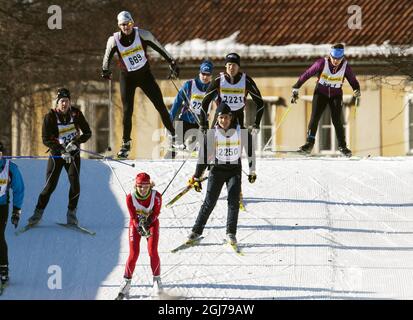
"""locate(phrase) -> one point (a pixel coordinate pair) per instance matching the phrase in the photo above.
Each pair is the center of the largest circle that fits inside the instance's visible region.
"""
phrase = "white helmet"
(124, 16)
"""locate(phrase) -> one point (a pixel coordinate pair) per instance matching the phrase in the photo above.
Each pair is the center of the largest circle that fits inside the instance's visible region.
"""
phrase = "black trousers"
(4, 215)
(216, 180)
(143, 79)
(335, 104)
(54, 168)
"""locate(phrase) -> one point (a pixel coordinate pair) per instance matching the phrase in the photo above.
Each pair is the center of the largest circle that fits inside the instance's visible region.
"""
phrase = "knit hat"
(233, 57)
(223, 108)
(62, 93)
(124, 16)
(206, 67)
(142, 178)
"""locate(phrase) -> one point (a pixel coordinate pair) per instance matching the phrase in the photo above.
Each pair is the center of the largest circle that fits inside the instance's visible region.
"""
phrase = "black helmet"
(62, 93)
(223, 108)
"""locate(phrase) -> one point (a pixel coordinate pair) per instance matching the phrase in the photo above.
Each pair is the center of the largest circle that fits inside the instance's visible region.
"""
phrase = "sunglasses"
(125, 24)
(206, 74)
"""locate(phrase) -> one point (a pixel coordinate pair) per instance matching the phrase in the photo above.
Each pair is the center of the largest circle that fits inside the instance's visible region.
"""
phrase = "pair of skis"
(68, 226)
(191, 243)
(316, 156)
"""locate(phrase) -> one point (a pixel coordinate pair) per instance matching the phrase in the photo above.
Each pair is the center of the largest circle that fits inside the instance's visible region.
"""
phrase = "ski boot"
(4, 275)
(124, 150)
(231, 239)
(157, 286)
(345, 151)
(124, 289)
(36, 217)
(193, 237)
(71, 217)
(307, 148)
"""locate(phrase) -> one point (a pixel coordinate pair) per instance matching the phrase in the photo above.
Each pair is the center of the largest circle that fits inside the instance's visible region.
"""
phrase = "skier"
(222, 146)
(144, 206)
(61, 134)
(10, 177)
(188, 101)
(130, 44)
(331, 72)
(232, 88)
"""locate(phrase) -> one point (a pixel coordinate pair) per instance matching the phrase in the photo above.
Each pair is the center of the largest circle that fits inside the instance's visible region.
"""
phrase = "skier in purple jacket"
(330, 72)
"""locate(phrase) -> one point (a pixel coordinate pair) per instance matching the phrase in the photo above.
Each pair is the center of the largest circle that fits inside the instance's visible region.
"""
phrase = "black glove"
(107, 74)
(195, 183)
(294, 95)
(174, 70)
(15, 217)
(143, 226)
(252, 177)
(255, 129)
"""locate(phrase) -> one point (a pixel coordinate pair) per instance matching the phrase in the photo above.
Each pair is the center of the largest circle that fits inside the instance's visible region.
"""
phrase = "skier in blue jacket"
(10, 177)
(188, 102)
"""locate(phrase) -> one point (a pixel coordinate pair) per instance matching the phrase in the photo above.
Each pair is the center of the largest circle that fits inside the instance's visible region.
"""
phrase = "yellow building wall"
(392, 128)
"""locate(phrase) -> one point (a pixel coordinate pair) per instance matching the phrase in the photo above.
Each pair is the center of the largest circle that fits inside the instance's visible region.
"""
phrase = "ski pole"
(277, 127)
(174, 176)
(30, 157)
(116, 176)
(108, 158)
(188, 101)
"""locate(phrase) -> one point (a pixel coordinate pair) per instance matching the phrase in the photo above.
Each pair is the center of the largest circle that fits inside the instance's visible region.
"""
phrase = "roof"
(279, 28)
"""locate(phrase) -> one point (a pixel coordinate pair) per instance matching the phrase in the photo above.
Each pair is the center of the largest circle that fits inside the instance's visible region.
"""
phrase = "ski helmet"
(142, 178)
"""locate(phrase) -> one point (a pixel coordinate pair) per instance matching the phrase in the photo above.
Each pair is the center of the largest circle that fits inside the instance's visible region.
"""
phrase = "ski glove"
(143, 226)
(174, 70)
(107, 74)
(294, 95)
(71, 146)
(255, 129)
(356, 93)
(67, 157)
(15, 217)
(195, 183)
(252, 177)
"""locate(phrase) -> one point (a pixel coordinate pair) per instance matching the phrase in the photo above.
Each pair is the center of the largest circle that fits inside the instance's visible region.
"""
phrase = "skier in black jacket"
(61, 134)
(221, 151)
(130, 44)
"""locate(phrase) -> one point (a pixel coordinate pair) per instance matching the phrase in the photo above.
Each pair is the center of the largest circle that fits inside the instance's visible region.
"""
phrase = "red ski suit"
(135, 237)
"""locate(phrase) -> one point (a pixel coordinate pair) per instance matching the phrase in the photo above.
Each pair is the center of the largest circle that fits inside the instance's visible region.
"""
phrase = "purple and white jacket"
(317, 69)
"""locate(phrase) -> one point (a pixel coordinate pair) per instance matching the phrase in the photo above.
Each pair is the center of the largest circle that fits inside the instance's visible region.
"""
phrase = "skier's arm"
(131, 209)
(17, 185)
(255, 94)
(150, 40)
(249, 146)
(351, 78)
(49, 137)
(206, 152)
(109, 52)
(156, 207)
(179, 99)
(210, 94)
(316, 68)
(84, 127)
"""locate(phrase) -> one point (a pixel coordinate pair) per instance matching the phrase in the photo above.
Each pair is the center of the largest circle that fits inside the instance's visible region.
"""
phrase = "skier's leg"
(134, 241)
(153, 241)
(153, 92)
(54, 168)
(4, 213)
(128, 86)
(336, 108)
(215, 183)
(73, 173)
(234, 190)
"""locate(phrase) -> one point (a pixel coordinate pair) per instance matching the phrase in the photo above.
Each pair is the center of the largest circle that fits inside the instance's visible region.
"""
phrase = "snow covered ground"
(313, 229)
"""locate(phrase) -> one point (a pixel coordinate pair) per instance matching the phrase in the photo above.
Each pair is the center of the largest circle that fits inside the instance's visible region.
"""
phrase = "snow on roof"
(200, 48)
